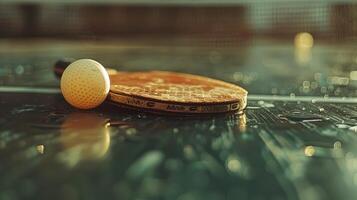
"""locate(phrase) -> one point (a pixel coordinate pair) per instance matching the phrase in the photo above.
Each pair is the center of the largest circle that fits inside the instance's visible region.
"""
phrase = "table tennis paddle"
(171, 92)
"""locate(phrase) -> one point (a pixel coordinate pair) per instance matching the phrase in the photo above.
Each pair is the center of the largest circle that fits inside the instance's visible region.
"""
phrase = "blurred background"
(270, 47)
(296, 140)
(226, 20)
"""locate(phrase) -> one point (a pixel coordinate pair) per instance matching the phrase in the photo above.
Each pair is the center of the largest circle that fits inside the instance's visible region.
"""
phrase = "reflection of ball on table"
(85, 84)
(84, 136)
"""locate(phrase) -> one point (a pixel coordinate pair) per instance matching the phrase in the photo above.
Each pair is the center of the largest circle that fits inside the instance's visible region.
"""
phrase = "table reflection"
(84, 136)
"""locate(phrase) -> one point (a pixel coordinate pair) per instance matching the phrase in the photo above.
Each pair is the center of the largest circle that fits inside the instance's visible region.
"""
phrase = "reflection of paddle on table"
(86, 84)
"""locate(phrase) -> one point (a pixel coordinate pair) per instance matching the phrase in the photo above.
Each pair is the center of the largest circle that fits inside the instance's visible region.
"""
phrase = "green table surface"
(296, 139)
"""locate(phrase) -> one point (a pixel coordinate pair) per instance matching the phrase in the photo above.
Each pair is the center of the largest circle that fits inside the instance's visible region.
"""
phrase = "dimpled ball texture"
(85, 84)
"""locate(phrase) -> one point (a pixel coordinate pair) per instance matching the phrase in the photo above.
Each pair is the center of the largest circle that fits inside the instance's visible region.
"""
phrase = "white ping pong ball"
(85, 84)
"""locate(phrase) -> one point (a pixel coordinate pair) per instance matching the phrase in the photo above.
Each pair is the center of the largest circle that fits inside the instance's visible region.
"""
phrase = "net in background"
(223, 24)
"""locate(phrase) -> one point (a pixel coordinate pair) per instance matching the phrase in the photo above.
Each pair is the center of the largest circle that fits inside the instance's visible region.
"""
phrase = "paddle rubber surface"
(175, 92)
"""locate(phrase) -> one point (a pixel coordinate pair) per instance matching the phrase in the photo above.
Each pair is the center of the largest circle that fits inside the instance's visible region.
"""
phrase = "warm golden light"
(40, 149)
(309, 151)
(353, 75)
(304, 40)
(233, 165)
(84, 136)
(241, 123)
(303, 43)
